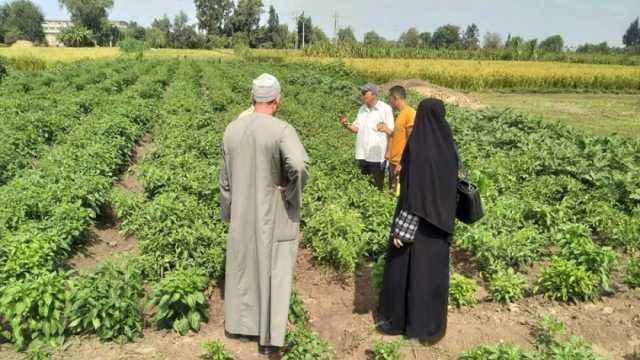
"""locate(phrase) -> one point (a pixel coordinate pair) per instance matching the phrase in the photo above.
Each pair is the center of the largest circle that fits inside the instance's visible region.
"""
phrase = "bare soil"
(128, 181)
(105, 239)
(447, 95)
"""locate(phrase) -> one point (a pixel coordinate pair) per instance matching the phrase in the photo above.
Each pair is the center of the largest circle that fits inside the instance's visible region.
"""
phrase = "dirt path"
(430, 90)
(105, 239)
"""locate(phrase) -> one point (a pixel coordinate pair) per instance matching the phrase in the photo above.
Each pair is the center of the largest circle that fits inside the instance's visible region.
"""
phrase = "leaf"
(194, 320)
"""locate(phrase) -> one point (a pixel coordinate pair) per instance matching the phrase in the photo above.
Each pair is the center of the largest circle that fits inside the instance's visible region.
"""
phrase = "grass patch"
(598, 114)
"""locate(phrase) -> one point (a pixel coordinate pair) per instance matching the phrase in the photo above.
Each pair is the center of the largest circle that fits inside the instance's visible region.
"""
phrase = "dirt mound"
(430, 90)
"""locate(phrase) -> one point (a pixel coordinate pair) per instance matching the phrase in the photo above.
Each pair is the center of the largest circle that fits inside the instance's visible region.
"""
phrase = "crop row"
(177, 220)
(46, 210)
(38, 110)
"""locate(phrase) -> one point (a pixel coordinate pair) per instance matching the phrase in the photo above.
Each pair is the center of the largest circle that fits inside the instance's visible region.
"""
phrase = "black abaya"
(415, 286)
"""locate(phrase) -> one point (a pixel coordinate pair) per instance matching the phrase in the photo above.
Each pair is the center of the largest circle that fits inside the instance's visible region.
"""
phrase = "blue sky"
(578, 21)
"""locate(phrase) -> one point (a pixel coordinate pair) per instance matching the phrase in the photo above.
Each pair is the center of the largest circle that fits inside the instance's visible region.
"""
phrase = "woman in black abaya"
(415, 286)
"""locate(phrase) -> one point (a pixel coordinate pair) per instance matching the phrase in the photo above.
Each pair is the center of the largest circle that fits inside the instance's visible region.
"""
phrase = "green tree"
(346, 36)
(246, 16)
(21, 20)
(109, 34)
(273, 30)
(426, 39)
(183, 35)
(410, 38)
(447, 36)
(492, 41)
(134, 30)
(274, 20)
(553, 43)
(372, 38)
(155, 38)
(213, 15)
(531, 48)
(318, 35)
(88, 13)
(471, 37)
(304, 26)
(513, 42)
(76, 36)
(631, 37)
(601, 48)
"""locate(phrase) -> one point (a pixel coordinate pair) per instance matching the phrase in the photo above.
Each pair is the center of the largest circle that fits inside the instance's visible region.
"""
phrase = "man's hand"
(397, 243)
(398, 169)
(344, 121)
(382, 127)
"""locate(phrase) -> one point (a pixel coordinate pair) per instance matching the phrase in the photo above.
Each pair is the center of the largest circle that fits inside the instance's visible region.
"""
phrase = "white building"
(53, 28)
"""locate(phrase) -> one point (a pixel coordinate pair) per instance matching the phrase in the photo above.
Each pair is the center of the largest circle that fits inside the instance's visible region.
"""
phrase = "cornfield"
(525, 75)
(520, 54)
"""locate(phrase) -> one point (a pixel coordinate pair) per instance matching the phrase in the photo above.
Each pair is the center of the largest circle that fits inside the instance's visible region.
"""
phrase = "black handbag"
(469, 204)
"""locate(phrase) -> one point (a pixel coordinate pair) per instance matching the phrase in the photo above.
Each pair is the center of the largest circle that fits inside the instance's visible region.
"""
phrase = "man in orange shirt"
(400, 134)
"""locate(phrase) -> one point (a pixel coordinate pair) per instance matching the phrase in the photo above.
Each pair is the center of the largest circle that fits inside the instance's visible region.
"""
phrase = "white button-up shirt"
(371, 144)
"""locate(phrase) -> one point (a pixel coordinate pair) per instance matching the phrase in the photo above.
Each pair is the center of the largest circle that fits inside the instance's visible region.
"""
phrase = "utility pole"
(299, 18)
(335, 27)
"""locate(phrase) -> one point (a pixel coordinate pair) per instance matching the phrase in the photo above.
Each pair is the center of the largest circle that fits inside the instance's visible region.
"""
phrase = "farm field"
(66, 55)
(465, 75)
(524, 76)
(598, 114)
(109, 217)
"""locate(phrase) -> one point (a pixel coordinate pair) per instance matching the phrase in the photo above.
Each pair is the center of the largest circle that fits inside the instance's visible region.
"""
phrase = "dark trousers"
(393, 179)
(375, 170)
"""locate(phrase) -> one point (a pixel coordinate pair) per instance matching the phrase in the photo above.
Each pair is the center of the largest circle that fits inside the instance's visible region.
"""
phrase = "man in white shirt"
(371, 143)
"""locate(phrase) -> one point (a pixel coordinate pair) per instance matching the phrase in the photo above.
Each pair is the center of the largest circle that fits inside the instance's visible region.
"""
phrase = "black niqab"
(429, 174)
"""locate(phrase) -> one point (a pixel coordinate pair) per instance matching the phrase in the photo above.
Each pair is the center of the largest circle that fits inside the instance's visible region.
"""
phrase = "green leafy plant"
(507, 286)
(462, 290)
(298, 315)
(552, 342)
(215, 350)
(566, 281)
(131, 46)
(387, 350)
(508, 249)
(496, 352)
(632, 277)
(335, 235)
(34, 309)
(39, 351)
(599, 261)
(302, 343)
(108, 302)
(4, 67)
(179, 301)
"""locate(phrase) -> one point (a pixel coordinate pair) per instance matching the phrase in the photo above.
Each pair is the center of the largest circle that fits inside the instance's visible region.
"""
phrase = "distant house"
(53, 28)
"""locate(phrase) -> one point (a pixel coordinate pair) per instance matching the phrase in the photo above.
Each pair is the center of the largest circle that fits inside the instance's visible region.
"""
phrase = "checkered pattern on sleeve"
(406, 226)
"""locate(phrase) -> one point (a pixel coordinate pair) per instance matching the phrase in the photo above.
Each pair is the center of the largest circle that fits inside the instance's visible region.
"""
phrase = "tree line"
(228, 23)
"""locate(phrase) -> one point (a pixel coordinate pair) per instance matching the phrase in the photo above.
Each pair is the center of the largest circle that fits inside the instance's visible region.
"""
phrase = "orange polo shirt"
(404, 121)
